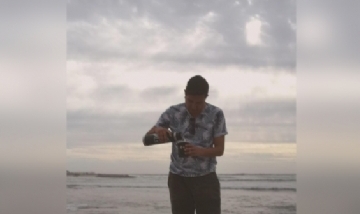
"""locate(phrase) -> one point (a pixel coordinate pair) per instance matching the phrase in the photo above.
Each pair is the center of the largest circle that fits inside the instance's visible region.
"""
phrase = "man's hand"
(162, 133)
(216, 150)
(192, 150)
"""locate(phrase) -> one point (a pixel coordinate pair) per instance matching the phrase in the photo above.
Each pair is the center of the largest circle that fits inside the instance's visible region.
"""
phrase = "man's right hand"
(162, 133)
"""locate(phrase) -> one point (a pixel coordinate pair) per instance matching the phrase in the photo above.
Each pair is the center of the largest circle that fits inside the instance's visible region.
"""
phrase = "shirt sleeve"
(220, 124)
(164, 120)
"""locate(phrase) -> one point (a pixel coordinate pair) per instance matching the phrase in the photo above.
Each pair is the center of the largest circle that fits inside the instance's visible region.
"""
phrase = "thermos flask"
(153, 139)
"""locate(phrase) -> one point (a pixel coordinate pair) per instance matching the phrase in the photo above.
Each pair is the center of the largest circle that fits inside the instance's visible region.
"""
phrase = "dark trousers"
(188, 194)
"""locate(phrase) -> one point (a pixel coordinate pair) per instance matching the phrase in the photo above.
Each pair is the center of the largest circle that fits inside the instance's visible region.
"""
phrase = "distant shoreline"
(92, 174)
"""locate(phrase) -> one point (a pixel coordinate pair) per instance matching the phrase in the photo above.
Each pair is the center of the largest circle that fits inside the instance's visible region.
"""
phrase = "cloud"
(86, 128)
(183, 32)
(131, 158)
(129, 60)
(157, 94)
(125, 151)
(133, 152)
(261, 151)
(261, 121)
(264, 112)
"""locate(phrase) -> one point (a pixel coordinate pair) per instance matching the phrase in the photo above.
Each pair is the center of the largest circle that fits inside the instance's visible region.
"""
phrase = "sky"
(127, 61)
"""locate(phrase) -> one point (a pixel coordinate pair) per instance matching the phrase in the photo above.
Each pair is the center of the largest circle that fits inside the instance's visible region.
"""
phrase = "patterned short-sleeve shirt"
(208, 125)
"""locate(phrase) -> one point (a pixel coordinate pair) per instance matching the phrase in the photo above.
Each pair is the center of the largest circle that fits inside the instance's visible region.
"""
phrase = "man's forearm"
(151, 131)
(212, 152)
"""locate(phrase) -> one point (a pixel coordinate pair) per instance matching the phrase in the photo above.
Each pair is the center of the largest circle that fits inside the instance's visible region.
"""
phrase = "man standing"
(193, 182)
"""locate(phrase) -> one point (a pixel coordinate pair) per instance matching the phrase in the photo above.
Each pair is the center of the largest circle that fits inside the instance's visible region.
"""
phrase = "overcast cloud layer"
(127, 61)
(208, 32)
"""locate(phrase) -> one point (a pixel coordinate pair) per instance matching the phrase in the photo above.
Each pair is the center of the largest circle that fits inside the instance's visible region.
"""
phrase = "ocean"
(148, 194)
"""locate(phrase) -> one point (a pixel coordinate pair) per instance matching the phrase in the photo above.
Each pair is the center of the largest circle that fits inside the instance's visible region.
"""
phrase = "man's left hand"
(192, 150)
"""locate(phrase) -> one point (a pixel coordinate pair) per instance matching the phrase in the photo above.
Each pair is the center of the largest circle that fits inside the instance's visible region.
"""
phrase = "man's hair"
(197, 85)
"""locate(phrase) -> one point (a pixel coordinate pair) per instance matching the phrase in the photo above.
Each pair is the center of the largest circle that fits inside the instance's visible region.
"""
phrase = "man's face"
(195, 104)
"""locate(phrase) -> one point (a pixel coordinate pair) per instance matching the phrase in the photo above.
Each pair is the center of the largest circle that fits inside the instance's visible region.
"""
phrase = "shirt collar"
(203, 112)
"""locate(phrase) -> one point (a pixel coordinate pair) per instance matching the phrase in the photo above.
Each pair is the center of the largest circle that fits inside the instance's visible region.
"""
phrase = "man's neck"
(202, 111)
